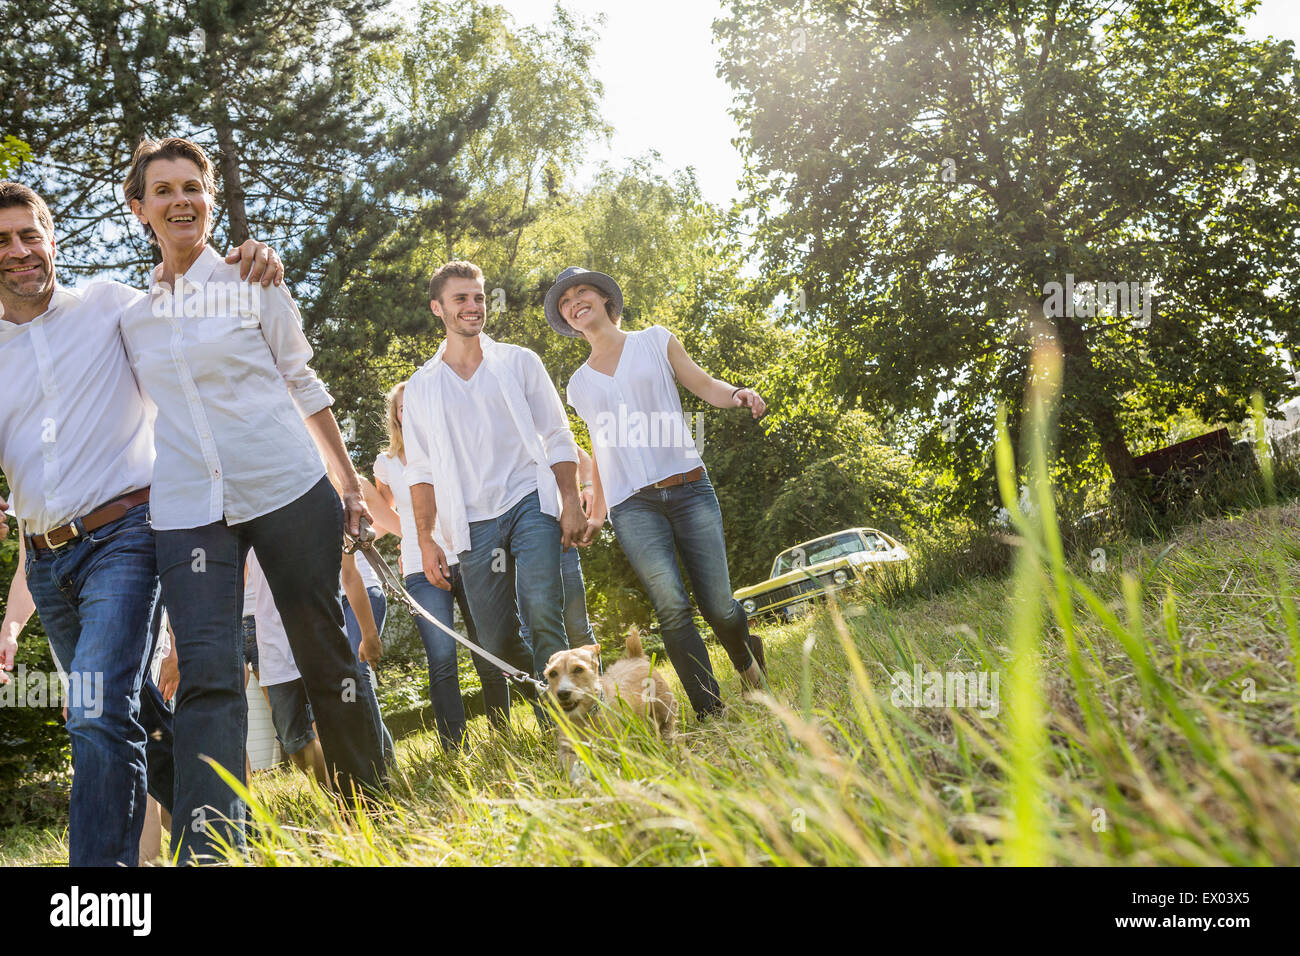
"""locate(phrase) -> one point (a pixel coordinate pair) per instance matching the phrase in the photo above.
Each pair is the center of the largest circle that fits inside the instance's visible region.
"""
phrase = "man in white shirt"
(76, 445)
(491, 459)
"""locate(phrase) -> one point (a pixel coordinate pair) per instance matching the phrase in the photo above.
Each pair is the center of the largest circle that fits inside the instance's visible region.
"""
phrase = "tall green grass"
(1148, 714)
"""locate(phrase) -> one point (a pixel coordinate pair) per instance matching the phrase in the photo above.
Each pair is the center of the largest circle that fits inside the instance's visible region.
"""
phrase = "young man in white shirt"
(491, 459)
(76, 445)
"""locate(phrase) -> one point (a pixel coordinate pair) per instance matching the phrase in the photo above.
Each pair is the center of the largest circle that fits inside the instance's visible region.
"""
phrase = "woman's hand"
(594, 524)
(169, 677)
(748, 398)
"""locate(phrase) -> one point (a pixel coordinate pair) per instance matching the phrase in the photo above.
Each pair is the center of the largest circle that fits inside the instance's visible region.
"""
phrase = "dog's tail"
(633, 646)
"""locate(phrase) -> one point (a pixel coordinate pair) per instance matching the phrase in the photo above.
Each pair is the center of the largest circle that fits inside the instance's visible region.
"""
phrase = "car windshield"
(825, 549)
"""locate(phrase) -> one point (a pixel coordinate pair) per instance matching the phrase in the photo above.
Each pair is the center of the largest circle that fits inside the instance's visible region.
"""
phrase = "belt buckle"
(664, 483)
(76, 533)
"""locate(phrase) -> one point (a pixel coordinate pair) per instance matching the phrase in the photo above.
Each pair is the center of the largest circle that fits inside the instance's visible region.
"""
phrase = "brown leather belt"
(104, 514)
(672, 481)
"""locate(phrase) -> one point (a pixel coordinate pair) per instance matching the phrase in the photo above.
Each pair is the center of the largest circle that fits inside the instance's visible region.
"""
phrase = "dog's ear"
(593, 651)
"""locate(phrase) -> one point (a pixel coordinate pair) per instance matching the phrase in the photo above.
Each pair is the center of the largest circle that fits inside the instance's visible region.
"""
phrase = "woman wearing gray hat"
(650, 478)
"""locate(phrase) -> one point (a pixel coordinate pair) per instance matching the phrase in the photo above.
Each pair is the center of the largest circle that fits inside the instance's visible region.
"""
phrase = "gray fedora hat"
(576, 275)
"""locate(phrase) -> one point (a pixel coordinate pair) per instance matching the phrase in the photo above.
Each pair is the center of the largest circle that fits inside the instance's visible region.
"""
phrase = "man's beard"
(45, 288)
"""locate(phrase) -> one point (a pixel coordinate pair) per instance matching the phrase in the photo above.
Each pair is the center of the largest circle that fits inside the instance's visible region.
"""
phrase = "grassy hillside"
(1159, 724)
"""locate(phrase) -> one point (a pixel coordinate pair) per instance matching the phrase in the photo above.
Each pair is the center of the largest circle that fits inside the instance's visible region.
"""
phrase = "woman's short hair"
(173, 147)
(13, 195)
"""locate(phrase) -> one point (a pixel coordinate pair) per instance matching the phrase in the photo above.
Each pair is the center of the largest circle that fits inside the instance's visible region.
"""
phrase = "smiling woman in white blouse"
(240, 418)
(650, 478)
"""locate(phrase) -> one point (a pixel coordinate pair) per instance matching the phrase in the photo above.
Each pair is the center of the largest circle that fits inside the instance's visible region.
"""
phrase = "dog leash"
(365, 543)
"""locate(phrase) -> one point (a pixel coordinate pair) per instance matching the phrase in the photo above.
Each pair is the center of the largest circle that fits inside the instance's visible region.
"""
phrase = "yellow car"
(817, 568)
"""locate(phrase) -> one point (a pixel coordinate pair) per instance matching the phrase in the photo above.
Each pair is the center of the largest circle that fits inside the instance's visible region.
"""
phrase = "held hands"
(573, 525)
(748, 398)
(257, 262)
(594, 524)
(435, 565)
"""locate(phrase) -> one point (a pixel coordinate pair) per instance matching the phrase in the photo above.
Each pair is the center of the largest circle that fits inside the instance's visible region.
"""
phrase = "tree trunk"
(1078, 372)
(1113, 444)
(232, 181)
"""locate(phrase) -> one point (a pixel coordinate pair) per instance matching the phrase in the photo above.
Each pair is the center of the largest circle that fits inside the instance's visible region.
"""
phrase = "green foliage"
(33, 742)
(918, 171)
(92, 77)
(13, 153)
(1168, 738)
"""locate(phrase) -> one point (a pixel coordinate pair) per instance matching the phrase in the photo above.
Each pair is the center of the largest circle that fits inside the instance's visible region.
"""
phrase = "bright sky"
(657, 62)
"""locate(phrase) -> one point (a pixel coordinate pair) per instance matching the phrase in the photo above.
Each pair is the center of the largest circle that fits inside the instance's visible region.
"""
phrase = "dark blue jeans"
(515, 557)
(95, 597)
(656, 527)
(379, 607)
(202, 574)
(444, 682)
(577, 626)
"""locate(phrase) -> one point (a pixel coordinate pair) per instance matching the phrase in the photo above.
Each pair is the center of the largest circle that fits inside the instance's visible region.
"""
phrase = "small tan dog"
(582, 692)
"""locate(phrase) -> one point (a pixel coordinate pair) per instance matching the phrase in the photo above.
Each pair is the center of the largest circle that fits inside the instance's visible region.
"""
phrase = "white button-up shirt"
(75, 430)
(226, 362)
(434, 408)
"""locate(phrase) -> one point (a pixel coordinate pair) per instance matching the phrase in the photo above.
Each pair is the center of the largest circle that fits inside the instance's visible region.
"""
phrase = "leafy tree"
(267, 87)
(483, 122)
(919, 171)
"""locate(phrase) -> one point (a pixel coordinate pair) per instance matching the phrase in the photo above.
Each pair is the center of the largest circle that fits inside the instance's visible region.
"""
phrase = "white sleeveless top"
(638, 433)
(390, 470)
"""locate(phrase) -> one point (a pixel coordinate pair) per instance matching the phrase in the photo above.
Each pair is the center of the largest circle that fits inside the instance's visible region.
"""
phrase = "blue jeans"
(202, 572)
(378, 607)
(95, 597)
(577, 626)
(444, 683)
(512, 571)
(657, 526)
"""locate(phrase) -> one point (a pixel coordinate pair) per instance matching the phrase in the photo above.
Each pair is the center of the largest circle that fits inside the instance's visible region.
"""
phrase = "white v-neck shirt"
(638, 433)
(503, 471)
(447, 431)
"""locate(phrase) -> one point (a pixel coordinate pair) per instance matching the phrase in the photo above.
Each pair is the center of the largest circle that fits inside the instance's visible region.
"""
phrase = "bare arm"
(599, 511)
(424, 504)
(573, 523)
(716, 392)
(355, 589)
(586, 484)
(324, 431)
(18, 611)
(383, 516)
